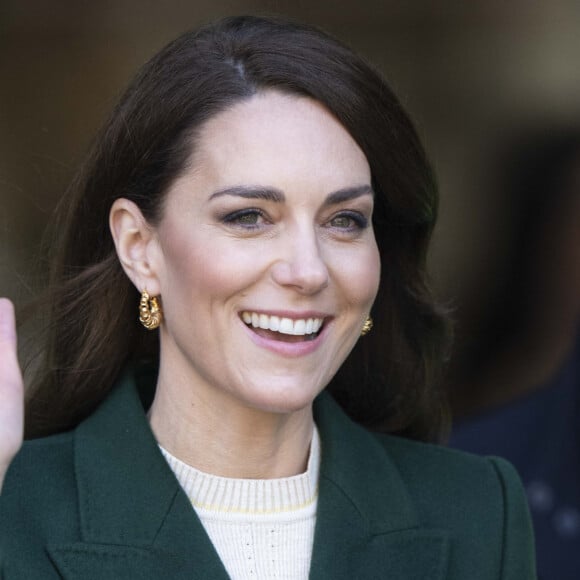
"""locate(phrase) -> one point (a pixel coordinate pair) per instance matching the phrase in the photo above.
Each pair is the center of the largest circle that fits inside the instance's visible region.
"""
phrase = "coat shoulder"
(448, 467)
(46, 456)
(40, 488)
(461, 490)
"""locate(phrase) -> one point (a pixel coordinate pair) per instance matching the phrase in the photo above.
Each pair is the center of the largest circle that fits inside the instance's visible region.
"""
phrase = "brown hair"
(389, 380)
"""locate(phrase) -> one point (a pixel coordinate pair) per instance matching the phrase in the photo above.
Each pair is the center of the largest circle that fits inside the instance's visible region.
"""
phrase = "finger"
(9, 369)
(7, 323)
(11, 389)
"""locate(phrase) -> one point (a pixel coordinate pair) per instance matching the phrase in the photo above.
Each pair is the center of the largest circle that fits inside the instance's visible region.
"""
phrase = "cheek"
(371, 277)
(205, 267)
(360, 276)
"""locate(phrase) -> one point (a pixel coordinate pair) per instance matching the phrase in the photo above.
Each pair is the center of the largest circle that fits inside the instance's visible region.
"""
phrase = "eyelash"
(360, 222)
(235, 218)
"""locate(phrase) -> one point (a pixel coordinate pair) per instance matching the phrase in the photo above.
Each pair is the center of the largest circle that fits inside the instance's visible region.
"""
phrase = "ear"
(136, 244)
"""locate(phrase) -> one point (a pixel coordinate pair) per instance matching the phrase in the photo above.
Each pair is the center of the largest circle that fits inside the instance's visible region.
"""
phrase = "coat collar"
(366, 523)
(135, 522)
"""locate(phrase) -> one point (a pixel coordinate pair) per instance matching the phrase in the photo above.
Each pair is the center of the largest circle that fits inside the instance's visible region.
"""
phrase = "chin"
(283, 399)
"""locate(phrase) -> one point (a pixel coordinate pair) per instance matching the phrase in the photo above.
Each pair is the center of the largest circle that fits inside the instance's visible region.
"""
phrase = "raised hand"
(11, 390)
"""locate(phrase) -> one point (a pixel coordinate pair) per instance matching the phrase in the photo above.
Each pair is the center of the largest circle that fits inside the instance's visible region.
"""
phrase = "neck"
(219, 435)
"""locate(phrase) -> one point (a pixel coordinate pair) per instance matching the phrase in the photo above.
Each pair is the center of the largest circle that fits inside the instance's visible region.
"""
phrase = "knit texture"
(260, 528)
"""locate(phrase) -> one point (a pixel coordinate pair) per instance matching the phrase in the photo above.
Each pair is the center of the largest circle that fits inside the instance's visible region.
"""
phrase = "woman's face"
(265, 255)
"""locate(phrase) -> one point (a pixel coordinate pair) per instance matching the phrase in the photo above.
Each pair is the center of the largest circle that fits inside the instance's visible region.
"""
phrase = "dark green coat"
(101, 503)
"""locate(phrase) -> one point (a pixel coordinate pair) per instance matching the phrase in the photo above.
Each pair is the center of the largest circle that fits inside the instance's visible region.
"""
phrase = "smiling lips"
(281, 328)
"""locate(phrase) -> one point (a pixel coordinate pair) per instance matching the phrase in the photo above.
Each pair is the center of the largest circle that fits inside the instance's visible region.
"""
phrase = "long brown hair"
(389, 381)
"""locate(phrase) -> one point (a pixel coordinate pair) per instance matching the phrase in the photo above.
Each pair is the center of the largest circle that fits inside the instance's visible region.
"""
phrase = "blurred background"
(494, 89)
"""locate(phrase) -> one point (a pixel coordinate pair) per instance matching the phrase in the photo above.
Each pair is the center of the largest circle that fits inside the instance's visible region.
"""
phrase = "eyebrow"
(277, 196)
(348, 193)
(252, 192)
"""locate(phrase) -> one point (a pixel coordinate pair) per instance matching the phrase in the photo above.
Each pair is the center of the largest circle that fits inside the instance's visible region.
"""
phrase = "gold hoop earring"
(150, 314)
(367, 326)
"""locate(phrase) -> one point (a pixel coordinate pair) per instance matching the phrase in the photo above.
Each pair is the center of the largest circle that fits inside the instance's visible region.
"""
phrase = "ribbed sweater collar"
(255, 497)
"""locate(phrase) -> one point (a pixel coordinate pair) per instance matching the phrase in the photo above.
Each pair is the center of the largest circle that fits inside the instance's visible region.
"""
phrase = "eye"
(348, 221)
(250, 218)
(342, 221)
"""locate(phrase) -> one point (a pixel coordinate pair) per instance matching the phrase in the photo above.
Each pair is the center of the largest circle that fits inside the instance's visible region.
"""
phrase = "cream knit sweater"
(260, 528)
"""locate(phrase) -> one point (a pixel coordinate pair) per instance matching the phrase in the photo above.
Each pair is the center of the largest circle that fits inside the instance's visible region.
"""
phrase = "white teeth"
(300, 327)
(286, 326)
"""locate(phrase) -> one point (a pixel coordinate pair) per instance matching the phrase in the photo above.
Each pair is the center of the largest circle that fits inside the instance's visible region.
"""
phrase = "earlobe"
(133, 237)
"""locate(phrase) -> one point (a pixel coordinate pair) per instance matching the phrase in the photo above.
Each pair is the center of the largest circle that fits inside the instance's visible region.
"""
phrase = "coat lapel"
(135, 522)
(366, 524)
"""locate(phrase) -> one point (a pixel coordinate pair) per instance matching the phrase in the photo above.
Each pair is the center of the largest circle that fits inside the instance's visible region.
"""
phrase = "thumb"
(11, 389)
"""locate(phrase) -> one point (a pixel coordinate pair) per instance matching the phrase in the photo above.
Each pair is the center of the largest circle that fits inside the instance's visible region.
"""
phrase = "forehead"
(276, 135)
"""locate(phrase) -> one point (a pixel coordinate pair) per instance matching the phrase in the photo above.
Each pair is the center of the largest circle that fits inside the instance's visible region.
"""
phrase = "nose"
(303, 266)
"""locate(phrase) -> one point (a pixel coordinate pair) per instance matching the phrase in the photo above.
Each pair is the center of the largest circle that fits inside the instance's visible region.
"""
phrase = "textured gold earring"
(367, 326)
(150, 314)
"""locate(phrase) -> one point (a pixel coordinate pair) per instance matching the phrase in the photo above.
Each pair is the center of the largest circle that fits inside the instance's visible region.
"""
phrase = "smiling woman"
(283, 233)
(263, 190)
